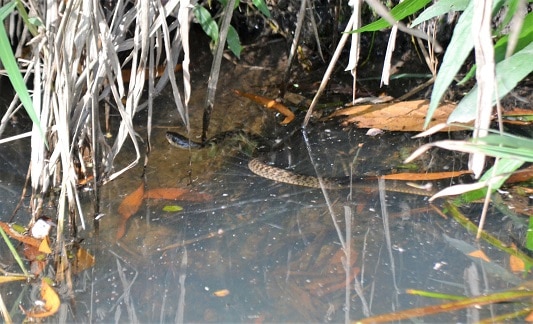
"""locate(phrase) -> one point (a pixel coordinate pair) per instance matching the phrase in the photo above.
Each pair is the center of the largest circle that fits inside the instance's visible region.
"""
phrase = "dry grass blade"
(355, 45)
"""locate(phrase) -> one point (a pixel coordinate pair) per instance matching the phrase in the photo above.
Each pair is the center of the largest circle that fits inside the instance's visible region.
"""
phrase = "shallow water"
(272, 250)
(273, 246)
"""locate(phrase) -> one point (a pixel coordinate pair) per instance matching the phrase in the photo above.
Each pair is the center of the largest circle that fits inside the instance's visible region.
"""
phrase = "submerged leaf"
(51, 302)
(129, 206)
(172, 208)
(84, 260)
(176, 194)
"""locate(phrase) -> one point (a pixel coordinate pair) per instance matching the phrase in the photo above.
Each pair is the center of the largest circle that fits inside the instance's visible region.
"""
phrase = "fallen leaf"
(176, 194)
(15, 234)
(409, 176)
(172, 208)
(515, 263)
(131, 204)
(405, 116)
(521, 175)
(529, 318)
(480, 255)
(165, 193)
(44, 247)
(221, 293)
(518, 116)
(84, 260)
(128, 207)
(51, 302)
(269, 103)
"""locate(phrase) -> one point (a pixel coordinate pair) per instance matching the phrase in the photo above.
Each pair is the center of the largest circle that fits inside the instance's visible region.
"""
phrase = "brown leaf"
(221, 293)
(26, 239)
(405, 116)
(517, 116)
(409, 176)
(131, 204)
(128, 207)
(44, 247)
(84, 260)
(521, 175)
(176, 194)
(480, 255)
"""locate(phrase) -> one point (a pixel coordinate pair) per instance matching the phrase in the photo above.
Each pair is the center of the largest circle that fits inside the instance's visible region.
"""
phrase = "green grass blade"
(13, 251)
(440, 8)
(508, 73)
(399, 12)
(460, 46)
(13, 72)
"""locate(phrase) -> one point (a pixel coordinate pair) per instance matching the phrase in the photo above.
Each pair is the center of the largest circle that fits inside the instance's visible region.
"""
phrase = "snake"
(270, 172)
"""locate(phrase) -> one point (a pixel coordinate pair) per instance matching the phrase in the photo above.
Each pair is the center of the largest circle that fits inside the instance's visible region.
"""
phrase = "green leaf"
(524, 38)
(7, 9)
(172, 208)
(261, 5)
(460, 46)
(439, 8)
(206, 21)
(233, 41)
(402, 10)
(508, 73)
(13, 72)
(529, 235)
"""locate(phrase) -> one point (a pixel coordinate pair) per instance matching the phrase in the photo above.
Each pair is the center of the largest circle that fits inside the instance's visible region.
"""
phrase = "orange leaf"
(521, 175)
(165, 193)
(409, 176)
(221, 293)
(480, 255)
(84, 260)
(176, 193)
(26, 239)
(269, 103)
(128, 207)
(51, 302)
(44, 247)
(515, 263)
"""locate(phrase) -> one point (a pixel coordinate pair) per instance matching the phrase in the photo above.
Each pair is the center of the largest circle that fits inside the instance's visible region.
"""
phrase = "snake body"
(281, 175)
(285, 176)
